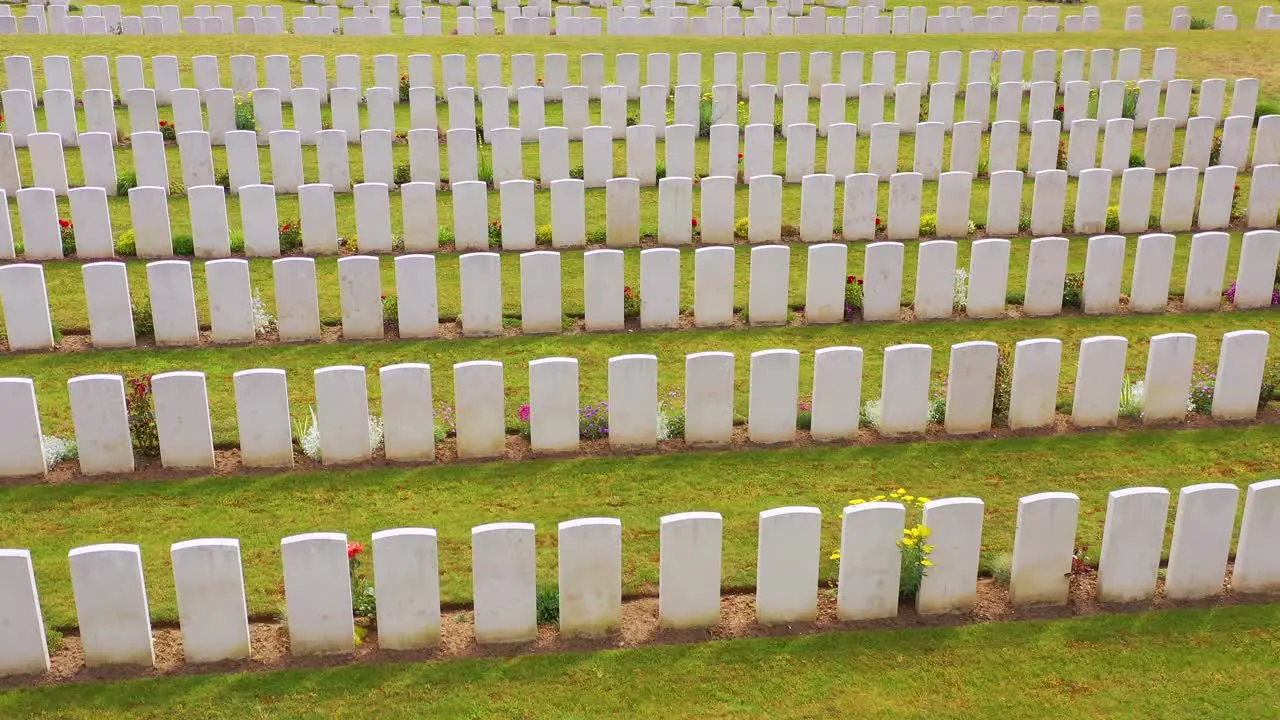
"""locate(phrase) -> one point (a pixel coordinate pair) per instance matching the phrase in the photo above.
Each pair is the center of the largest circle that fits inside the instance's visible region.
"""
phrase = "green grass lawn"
(261, 509)
(1170, 664)
(51, 371)
(1243, 53)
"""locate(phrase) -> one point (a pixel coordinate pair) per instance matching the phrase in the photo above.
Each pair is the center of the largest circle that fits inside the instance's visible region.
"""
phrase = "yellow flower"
(835, 555)
(912, 532)
(908, 542)
(877, 498)
(924, 531)
(926, 563)
(922, 499)
(908, 498)
(899, 491)
(856, 501)
(928, 548)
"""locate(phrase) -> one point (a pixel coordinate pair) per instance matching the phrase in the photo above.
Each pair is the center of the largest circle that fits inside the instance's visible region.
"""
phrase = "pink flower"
(354, 549)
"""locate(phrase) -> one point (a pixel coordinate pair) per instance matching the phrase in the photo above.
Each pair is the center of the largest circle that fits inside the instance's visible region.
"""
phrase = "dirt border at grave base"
(227, 461)
(639, 627)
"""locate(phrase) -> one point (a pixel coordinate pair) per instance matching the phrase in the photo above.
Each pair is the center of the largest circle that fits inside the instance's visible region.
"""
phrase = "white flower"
(262, 320)
(56, 450)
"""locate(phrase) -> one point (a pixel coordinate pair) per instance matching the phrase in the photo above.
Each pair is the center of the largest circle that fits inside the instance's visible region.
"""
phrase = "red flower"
(739, 156)
(64, 223)
(1237, 188)
(1061, 109)
(878, 223)
(850, 280)
(284, 227)
(354, 549)
(859, 281)
(695, 222)
(164, 123)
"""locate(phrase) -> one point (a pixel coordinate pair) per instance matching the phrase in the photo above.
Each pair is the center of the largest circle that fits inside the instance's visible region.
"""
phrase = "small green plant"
(143, 324)
(705, 109)
(630, 303)
(547, 602)
(1062, 155)
(1200, 399)
(363, 603)
(223, 178)
(176, 187)
(928, 225)
(236, 241)
(126, 182)
(495, 235)
(404, 88)
(403, 175)
(168, 132)
(1263, 109)
(1215, 150)
(444, 235)
(142, 416)
(290, 236)
(1073, 290)
(1001, 567)
(660, 170)
(184, 245)
(597, 236)
(484, 171)
(593, 421)
(1003, 395)
(67, 233)
(576, 172)
(1129, 103)
(126, 245)
(1131, 398)
(983, 168)
(938, 409)
(1113, 218)
(741, 227)
(391, 312)
(542, 235)
(675, 424)
(1024, 222)
(245, 119)
(1136, 160)
(1199, 23)
(804, 414)
(852, 296)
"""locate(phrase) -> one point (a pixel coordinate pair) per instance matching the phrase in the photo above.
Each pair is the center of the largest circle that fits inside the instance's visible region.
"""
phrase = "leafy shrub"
(1113, 218)
(444, 235)
(1131, 396)
(1129, 104)
(245, 119)
(852, 295)
(484, 171)
(126, 182)
(404, 88)
(593, 421)
(740, 227)
(1062, 155)
(597, 236)
(495, 235)
(869, 416)
(1199, 23)
(57, 449)
(542, 235)
(176, 187)
(1073, 290)
(390, 311)
(661, 170)
(142, 416)
(184, 245)
(804, 415)
(143, 324)
(1024, 222)
(1003, 395)
(928, 225)
(938, 410)
(290, 236)
(403, 175)
(1200, 399)
(576, 172)
(704, 117)
(223, 178)
(67, 233)
(547, 602)
(630, 303)
(1215, 150)
(237, 241)
(675, 424)
(1136, 160)
(1263, 109)
(363, 603)
(126, 245)
(168, 133)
